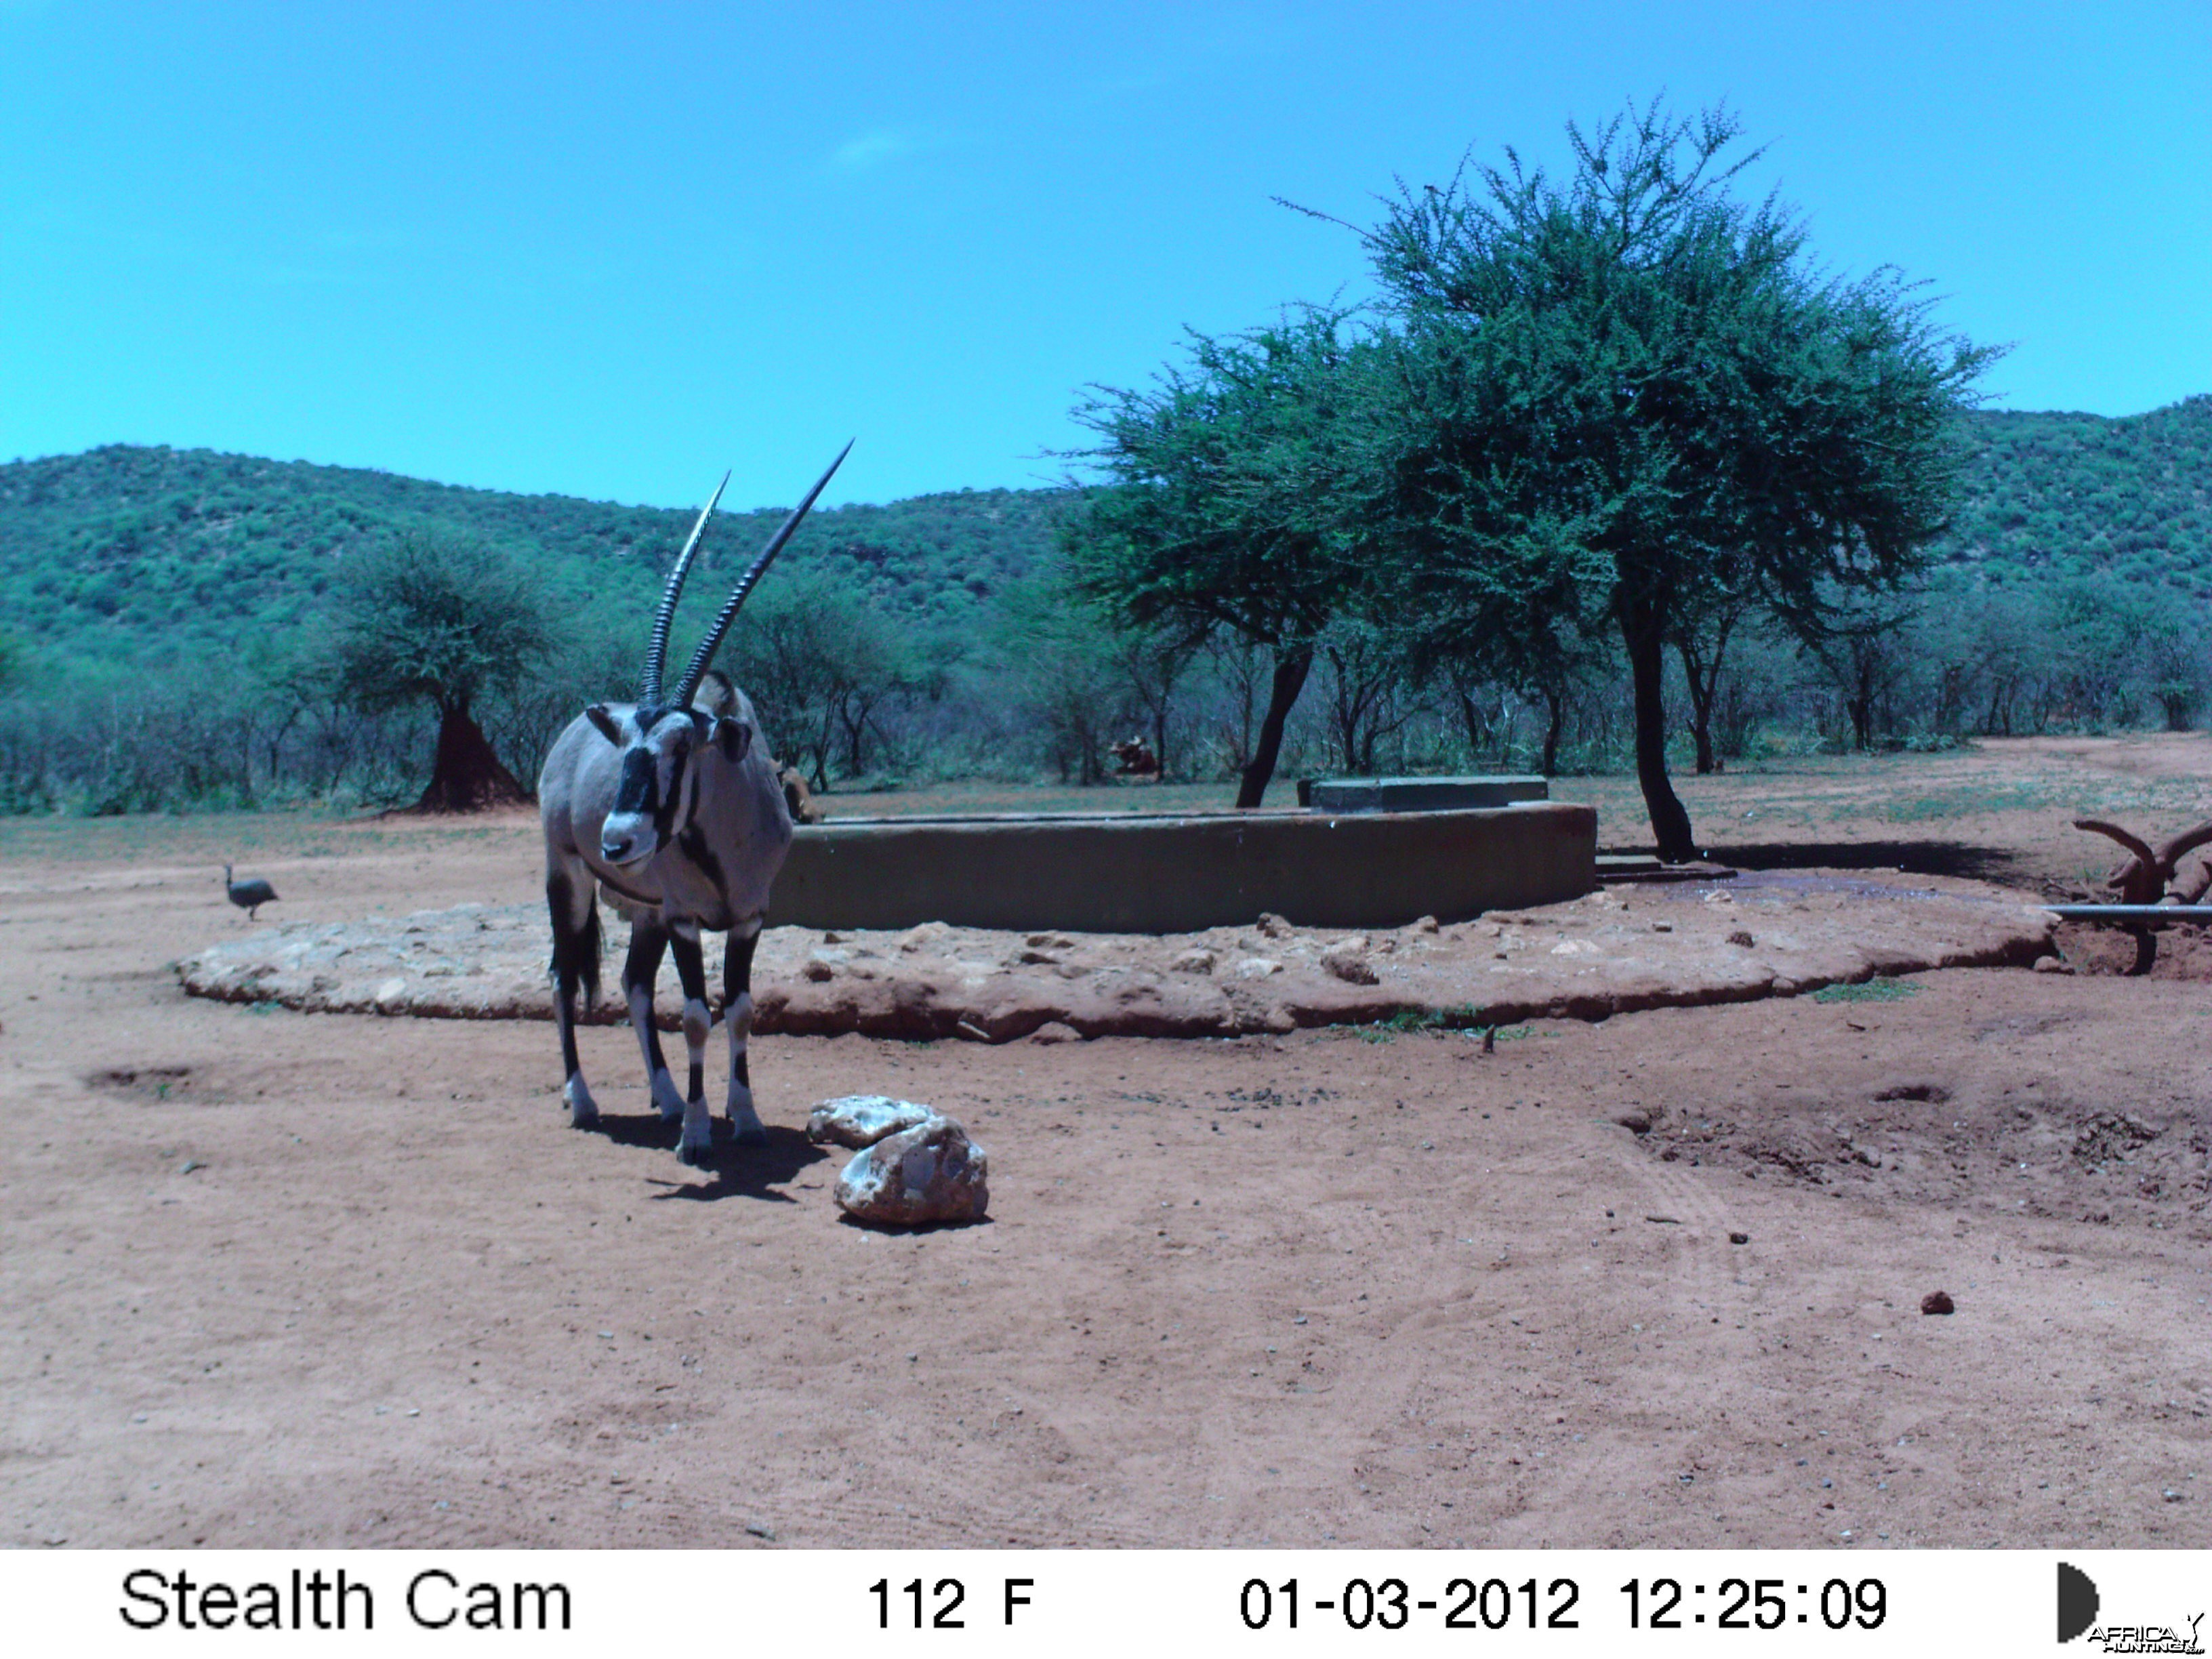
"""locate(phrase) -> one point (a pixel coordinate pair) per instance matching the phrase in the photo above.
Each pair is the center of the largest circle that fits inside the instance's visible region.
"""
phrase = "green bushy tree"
(1231, 501)
(1632, 385)
(819, 664)
(445, 622)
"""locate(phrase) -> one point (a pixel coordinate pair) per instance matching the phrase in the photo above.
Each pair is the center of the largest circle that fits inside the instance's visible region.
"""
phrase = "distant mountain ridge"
(2054, 494)
(105, 554)
(128, 553)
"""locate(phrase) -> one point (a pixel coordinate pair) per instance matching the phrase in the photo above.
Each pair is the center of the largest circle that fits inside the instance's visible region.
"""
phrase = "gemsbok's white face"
(658, 791)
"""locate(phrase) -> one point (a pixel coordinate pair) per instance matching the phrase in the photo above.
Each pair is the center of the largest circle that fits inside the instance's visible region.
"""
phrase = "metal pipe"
(2131, 913)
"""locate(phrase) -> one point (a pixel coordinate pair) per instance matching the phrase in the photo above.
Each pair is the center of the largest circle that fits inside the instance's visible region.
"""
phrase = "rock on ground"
(931, 1172)
(863, 1120)
(1616, 951)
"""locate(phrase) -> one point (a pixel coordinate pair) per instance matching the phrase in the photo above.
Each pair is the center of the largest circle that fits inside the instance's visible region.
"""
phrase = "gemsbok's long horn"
(656, 650)
(705, 654)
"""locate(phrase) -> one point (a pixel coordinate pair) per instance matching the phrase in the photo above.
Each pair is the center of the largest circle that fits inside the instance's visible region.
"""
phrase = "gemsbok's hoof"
(695, 1157)
(667, 1101)
(583, 1111)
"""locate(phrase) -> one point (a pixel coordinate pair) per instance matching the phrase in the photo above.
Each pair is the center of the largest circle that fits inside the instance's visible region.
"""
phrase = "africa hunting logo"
(2078, 1606)
(2146, 1639)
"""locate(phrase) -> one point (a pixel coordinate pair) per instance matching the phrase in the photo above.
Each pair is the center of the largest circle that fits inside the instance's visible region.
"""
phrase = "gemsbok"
(672, 804)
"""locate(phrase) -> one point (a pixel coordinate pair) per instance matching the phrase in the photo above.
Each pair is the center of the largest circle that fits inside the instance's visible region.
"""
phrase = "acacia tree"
(2173, 660)
(444, 622)
(1230, 504)
(1372, 688)
(1864, 658)
(1153, 662)
(820, 664)
(1059, 657)
(1632, 385)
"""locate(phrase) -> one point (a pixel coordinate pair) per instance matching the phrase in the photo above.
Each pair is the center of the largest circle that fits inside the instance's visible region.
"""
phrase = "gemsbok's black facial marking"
(671, 795)
(639, 783)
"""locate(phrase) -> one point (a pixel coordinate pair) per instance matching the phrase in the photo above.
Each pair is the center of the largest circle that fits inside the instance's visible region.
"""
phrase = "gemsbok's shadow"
(759, 1171)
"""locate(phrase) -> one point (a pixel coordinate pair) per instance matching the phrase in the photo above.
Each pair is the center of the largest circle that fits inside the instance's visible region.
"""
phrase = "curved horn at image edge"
(705, 654)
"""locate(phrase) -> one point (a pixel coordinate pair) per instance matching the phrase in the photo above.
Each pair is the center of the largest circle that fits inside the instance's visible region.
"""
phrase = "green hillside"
(144, 554)
(2053, 495)
(130, 554)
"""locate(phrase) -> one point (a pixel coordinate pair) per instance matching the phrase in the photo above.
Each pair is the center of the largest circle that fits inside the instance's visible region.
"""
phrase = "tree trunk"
(1643, 631)
(1701, 704)
(466, 776)
(856, 733)
(824, 737)
(1094, 768)
(277, 741)
(1290, 678)
(1703, 675)
(1861, 706)
(1472, 721)
(1555, 702)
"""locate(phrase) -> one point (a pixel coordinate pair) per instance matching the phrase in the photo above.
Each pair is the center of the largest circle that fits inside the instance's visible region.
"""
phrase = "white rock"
(931, 1172)
(1257, 967)
(1196, 960)
(863, 1120)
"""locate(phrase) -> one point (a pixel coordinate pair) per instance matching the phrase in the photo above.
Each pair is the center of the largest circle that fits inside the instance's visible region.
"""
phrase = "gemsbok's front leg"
(649, 942)
(696, 1146)
(737, 1016)
(571, 896)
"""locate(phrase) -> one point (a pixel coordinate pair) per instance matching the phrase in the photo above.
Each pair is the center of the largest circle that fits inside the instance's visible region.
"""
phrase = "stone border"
(1614, 951)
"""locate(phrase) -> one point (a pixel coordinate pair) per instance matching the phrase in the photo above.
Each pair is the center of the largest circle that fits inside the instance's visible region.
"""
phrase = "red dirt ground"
(282, 1278)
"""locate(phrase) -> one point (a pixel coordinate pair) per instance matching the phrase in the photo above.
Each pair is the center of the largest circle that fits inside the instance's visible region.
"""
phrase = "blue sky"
(609, 250)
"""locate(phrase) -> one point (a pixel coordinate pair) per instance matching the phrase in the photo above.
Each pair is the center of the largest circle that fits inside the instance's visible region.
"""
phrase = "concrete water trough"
(1420, 794)
(1131, 873)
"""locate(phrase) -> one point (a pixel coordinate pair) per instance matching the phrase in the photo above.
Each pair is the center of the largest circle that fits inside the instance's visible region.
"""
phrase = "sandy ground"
(282, 1278)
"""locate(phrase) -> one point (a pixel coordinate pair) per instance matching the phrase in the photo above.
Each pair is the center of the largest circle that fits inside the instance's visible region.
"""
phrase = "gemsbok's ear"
(735, 737)
(596, 714)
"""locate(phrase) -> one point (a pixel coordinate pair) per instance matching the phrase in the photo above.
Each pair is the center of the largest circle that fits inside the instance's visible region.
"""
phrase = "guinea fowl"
(250, 894)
